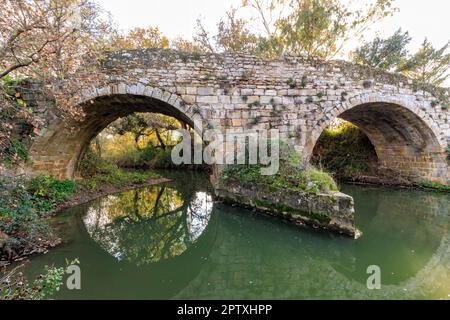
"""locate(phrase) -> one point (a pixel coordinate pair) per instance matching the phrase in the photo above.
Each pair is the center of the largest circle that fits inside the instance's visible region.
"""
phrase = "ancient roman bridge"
(409, 129)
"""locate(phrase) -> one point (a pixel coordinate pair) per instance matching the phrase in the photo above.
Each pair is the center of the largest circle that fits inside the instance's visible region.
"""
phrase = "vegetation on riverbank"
(14, 286)
(433, 186)
(346, 152)
(26, 204)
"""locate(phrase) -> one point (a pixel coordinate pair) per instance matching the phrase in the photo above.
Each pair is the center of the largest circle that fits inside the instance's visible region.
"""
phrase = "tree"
(233, 35)
(59, 43)
(428, 65)
(146, 124)
(48, 38)
(186, 45)
(141, 38)
(385, 54)
(321, 28)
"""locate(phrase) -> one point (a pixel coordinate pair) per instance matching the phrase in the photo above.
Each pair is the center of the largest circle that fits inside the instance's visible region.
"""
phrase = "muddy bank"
(379, 181)
(85, 197)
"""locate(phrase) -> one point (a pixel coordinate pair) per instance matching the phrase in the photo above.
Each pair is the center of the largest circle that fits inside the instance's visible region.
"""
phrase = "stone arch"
(59, 148)
(407, 139)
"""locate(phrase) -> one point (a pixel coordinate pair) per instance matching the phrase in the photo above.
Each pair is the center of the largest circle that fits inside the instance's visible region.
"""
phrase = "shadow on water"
(172, 241)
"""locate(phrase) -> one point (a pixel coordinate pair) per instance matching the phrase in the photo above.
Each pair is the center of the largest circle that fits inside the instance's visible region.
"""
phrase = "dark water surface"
(172, 241)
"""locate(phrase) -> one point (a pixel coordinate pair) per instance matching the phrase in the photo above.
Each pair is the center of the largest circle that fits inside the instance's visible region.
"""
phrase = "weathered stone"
(408, 128)
(205, 91)
(207, 99)
(331, 211)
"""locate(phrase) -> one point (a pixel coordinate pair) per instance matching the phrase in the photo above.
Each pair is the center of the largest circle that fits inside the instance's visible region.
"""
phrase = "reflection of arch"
(150, 224)
(107, 278)
(59, 149)
(406, 138)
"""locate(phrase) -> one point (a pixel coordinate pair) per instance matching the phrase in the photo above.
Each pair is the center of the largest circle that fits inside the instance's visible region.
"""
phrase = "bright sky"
(177, 18)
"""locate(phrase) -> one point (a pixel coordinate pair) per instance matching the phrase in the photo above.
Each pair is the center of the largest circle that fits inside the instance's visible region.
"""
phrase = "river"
(171, 241)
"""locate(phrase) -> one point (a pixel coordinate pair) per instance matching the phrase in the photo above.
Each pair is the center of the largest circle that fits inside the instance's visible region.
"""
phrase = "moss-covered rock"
(332, 211)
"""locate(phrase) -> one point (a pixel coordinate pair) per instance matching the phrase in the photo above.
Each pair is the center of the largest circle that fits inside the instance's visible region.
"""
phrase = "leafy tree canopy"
(385, 54)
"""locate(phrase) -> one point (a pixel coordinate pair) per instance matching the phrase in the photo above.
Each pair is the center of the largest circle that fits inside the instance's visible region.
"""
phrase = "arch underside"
(404, 143)
(59, 150)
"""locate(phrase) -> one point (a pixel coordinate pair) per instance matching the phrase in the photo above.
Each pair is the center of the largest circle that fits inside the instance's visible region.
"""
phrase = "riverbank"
(377, 181)
(86, 197)
(27, 205)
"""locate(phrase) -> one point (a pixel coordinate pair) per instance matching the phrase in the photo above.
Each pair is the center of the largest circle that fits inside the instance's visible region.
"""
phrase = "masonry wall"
(298, 97)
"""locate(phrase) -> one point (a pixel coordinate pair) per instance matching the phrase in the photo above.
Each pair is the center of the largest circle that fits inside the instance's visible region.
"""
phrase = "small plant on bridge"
(291, 83)
(292, 175)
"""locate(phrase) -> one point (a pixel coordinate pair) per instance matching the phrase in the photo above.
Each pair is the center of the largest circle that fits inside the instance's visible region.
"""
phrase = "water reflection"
(170, 241)
(148, 225)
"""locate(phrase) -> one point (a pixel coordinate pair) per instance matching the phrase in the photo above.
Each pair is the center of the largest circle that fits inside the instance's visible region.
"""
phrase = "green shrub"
(10, 84)
(18, 217)
(14, 285)
(291, 176)
(92, 165)
(47, 192)
(16, 152)
(345, 151)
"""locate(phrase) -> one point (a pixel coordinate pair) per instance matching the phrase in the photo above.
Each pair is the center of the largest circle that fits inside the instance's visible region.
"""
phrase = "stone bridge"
(409, 129)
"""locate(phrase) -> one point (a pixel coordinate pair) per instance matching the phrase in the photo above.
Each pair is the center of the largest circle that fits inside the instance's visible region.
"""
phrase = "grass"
(434, 185)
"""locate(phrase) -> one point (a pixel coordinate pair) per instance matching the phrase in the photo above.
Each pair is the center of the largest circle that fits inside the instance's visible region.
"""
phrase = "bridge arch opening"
(399, 143)
(59, 150)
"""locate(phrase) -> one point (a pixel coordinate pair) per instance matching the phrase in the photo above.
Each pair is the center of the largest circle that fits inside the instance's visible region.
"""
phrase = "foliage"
(314, 28)
(428, 65)
(13, 111)
(121, 178)
(15, 152)
(181, 44)
(291, 176)
(233, 35)
(384, 54)
(19, 220)
(10, 84)
(140, 38)
(155, 126)
(59, 43)
(47, 192)
(92, 164)
(433, 185)
(345, 151)
(157, 158)
(14, 286)
(99, 172)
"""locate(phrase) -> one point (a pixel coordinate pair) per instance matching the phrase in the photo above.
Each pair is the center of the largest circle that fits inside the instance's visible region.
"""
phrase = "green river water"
(171, 241)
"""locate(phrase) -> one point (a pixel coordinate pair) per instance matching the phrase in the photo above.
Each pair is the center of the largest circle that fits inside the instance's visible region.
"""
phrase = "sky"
(177, 18)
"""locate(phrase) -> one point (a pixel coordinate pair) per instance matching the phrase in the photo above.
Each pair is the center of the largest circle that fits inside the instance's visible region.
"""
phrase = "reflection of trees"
(148, 225)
